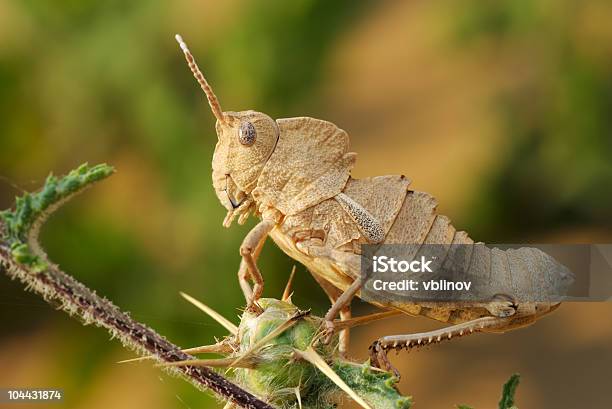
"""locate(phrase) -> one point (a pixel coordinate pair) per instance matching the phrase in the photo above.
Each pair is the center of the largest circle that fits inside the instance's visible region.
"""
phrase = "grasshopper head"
(246, 140)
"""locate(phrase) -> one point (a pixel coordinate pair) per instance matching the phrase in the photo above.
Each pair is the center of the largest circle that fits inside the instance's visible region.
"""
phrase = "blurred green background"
(502, 110)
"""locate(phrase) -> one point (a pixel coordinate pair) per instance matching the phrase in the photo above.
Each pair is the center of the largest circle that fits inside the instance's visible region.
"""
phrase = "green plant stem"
(57, 287)
(22, 259)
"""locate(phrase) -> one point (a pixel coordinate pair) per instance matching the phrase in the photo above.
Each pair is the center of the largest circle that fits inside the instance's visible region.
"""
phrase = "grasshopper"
(294, 174)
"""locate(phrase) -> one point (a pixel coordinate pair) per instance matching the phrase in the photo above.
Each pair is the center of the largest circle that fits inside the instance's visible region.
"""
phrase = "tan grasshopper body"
(294, 174)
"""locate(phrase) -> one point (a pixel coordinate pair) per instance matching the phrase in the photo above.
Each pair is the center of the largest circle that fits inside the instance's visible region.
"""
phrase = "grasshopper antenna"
(210, 95)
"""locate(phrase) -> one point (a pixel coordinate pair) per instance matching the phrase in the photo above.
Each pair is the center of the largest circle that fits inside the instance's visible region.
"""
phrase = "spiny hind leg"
(380, 347)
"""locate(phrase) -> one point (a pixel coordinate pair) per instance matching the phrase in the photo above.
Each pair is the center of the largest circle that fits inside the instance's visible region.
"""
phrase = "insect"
(294, 174)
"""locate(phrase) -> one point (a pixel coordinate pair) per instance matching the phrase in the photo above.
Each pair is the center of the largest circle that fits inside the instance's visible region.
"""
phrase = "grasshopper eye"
(247, 134)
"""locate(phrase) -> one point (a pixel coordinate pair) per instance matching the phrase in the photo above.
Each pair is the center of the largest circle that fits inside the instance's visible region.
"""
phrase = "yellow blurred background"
(502, 110)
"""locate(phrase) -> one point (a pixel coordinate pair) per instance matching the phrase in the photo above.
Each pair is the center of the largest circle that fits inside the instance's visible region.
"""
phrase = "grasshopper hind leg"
(380, 347)
(502, 306)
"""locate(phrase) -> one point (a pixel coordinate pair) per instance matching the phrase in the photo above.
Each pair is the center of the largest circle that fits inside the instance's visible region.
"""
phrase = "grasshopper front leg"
(249, 250)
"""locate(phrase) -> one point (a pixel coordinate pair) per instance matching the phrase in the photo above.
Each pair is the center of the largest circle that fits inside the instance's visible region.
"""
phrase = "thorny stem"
(59, 288)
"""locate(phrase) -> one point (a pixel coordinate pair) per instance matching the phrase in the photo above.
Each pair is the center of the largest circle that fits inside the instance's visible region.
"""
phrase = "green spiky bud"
(277, 372)
(278, 375)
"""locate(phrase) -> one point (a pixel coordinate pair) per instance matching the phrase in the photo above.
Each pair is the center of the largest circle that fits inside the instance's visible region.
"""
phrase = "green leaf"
(507, 400)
